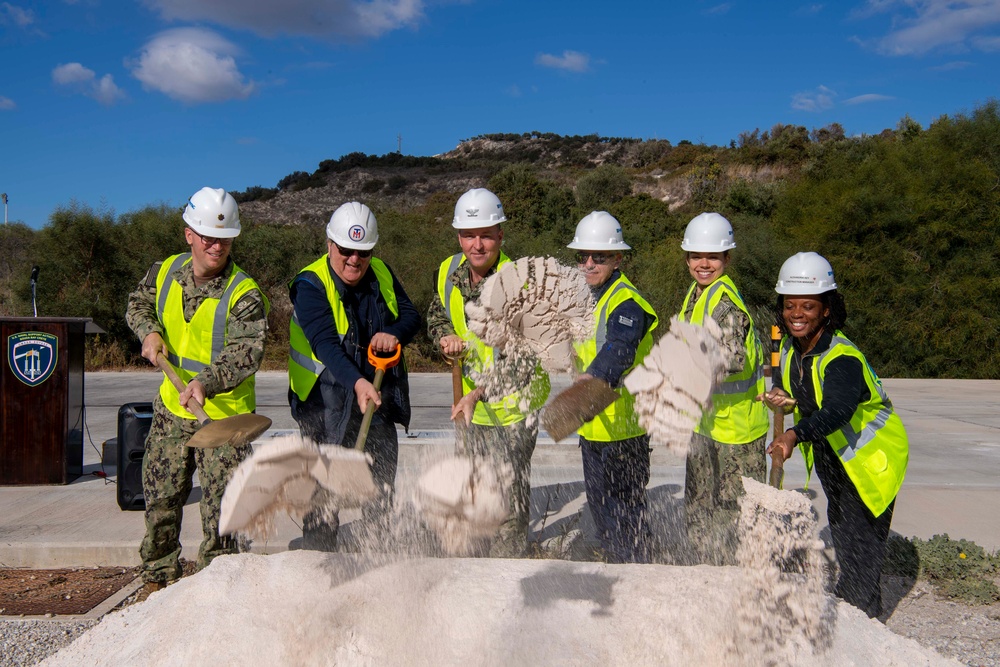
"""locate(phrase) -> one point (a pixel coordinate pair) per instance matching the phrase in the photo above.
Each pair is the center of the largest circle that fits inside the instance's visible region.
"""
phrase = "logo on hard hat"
(356, 232)
(221, 217)
(32, 356)
(472, 212)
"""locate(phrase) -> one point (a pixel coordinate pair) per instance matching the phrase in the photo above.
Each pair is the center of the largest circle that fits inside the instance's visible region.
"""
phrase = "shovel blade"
(576, 406)
(346, 474)
(237, 430)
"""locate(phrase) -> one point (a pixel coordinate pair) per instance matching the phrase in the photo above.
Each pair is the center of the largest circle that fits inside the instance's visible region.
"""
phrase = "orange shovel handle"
(381, 364)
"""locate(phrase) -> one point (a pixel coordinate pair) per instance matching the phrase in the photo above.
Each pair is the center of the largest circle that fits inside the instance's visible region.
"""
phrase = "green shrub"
(958, 569)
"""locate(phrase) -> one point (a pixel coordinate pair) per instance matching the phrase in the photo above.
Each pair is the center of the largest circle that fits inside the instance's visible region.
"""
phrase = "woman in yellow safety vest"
(728, 443)
(844, 423)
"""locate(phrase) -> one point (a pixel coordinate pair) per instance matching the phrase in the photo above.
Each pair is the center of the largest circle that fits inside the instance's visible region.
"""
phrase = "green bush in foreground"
(959, 569)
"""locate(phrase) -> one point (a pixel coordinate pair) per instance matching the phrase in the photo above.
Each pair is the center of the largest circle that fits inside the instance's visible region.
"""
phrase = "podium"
(41, 399)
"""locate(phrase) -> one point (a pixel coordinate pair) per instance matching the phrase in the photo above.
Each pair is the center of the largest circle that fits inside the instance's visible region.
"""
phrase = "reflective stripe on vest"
(479, 356)
(873, 445)
(304, 367)
(189, 351)
(618, 421)
(736, 416)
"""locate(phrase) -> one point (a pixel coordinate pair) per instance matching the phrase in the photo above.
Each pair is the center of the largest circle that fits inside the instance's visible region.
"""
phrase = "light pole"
(4, 197)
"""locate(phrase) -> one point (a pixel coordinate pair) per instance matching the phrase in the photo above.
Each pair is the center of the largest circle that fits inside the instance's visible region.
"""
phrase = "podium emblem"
(32, 356)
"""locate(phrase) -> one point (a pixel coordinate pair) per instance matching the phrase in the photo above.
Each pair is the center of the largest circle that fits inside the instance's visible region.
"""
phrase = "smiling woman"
(845, 424)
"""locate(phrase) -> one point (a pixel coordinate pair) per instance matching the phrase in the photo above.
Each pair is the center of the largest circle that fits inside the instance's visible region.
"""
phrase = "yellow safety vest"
(736, 417)
(618, 421)
(193, 346)
(479, 356)
(304, 367)
(873, 446)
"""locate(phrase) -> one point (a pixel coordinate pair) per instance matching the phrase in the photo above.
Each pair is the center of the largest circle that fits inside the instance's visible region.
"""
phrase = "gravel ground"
(24, 643)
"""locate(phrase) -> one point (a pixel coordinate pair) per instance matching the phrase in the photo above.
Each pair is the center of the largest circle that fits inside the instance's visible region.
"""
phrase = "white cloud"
(922, 26)
(720, 9)
(952, 66)
(573, 61)
(19, 16)
(7, 104)
(80, 79)
(868, 97)
(514, 90)
(815, 101)
(343, 19)
(192, 65)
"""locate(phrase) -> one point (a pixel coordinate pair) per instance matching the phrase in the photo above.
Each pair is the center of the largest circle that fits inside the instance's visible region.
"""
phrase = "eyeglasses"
(600, 259)
(348, 252)
(209, 241)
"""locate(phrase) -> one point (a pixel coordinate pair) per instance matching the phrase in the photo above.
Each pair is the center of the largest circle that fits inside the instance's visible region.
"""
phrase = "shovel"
(577, 405)
(237, 430)
(457, 391)
(348, 474)
(461, 499)
(777, 473)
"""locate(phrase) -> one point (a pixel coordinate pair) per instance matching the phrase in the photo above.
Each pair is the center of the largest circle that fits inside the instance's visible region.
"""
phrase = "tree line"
(908, 218)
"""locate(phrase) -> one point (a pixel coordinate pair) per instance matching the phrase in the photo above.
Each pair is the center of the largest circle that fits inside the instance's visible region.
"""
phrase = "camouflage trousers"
(712, 489)
(168, 468)
(509, 449)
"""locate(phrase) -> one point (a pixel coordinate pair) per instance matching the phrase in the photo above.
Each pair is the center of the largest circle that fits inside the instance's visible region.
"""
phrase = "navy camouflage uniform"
(713, 481)
(168, 465)
(616, 473)
(506, 447)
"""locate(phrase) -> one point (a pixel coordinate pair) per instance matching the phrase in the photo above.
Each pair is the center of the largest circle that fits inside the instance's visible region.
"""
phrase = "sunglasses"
(209, 241)
(600, 259)
(348, 252)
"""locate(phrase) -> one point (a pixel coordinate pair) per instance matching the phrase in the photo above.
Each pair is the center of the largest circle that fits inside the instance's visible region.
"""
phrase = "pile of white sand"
(310, 608)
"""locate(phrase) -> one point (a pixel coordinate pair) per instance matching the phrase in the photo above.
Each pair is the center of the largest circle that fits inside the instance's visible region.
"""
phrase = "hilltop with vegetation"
(909, 218)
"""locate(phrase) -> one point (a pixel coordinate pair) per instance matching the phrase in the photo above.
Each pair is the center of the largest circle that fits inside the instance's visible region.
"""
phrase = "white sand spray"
(783, 610)
(284, 475)
(536, 304)
(462, 501)
(674, 383)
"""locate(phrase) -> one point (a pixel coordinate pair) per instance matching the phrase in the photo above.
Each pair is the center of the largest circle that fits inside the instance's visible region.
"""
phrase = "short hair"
(833, 300)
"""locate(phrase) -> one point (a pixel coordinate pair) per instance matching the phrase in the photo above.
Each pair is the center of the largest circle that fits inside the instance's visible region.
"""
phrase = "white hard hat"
(599, 231)
(478, 208)
(805, 273)
(213, 212)
(353, 225)
(708, 232)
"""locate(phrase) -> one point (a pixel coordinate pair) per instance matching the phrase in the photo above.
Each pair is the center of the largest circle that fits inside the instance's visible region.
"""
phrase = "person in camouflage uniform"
(170, 311)
(502, 429)
(729, 442)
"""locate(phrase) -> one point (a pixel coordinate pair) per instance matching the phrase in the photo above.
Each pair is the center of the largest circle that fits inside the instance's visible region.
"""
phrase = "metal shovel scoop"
(237, 430)
(577, 405)
(348, 475)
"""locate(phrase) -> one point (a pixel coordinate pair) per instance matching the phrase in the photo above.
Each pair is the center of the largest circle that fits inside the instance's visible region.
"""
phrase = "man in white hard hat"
(614, 446)
(499, 426)
(728, 443)
(174, 312)
(346, 301)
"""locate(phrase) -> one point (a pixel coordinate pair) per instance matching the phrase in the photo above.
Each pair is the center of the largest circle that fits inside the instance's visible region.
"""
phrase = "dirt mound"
(327, 609)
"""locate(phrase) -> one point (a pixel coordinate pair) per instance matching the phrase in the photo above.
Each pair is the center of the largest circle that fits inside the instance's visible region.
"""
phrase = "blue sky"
(117, 105)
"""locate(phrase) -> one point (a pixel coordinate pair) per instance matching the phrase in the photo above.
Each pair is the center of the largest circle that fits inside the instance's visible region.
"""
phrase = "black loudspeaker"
(134, 420)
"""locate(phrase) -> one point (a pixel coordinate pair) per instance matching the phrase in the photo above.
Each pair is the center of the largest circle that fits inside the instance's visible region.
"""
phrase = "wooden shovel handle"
(193, 405)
